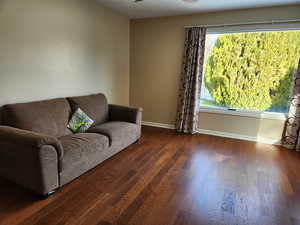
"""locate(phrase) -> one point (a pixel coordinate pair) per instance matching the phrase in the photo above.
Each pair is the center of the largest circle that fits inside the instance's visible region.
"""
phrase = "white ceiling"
(156, 8)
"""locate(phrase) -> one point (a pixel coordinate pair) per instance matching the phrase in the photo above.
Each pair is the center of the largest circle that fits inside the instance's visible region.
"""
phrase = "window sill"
(252, 114)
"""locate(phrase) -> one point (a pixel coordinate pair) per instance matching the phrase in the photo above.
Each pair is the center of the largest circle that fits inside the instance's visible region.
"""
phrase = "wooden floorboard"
(171, 179)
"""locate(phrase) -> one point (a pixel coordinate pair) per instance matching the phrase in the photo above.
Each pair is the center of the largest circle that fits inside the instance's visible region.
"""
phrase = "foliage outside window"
(250, 71)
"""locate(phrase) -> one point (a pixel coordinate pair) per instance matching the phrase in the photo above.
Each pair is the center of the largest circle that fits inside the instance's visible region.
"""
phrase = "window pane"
(250, 71)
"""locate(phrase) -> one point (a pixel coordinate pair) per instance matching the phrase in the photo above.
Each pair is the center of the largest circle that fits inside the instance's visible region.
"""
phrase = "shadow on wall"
(1, 115)
(1, 8)
(1, 5)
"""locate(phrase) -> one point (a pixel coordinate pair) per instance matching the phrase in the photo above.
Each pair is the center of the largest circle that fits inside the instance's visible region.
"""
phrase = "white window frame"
(243, 29)
(245, 113)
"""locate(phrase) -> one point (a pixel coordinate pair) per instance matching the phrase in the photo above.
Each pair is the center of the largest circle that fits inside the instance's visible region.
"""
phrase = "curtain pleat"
(291, 133)
(191, 79)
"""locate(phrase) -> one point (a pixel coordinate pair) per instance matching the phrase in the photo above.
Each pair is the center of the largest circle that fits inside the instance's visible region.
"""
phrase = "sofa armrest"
(25, 138)
(30, 159)
(125, 113)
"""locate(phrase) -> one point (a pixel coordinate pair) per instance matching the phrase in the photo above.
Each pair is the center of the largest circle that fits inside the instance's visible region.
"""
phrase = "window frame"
(240, 112)
(245, 113)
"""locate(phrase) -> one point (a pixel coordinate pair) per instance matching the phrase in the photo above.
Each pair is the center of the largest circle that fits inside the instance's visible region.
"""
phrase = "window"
(250, 71)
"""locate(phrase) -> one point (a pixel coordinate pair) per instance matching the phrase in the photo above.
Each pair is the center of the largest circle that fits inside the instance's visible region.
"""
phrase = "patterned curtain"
(291, 133)
(191, 79)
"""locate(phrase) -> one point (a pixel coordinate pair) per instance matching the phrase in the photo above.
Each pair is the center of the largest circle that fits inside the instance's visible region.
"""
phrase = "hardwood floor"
(171, 179)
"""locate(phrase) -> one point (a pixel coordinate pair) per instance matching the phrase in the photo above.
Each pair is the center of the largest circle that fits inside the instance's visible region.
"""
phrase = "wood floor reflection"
(171, 179)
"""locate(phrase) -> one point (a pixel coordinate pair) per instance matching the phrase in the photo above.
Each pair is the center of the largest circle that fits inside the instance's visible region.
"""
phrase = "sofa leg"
(137, 141)
(45, 196)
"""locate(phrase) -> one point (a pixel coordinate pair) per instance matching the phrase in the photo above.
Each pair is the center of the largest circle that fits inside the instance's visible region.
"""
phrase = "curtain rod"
(247, 23)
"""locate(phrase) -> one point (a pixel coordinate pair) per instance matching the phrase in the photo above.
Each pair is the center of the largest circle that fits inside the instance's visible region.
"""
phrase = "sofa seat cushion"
(80, 149)
(120, 134)
(95, 106)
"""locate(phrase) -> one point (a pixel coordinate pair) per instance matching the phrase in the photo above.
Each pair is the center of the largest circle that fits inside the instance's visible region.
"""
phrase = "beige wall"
(268, 129)
(156, 55)
(55, 48)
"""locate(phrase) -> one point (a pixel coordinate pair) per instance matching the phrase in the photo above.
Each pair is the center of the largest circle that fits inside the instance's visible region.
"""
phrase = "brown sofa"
(39, 152)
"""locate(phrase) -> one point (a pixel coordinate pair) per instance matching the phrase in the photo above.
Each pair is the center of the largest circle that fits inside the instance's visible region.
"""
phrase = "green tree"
(253, 70)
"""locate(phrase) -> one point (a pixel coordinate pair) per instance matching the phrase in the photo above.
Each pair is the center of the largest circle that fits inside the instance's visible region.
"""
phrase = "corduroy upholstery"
(30, 159)
(47, 117)
(120, 134)
(95, 106)
(39, 152)
(82, 152)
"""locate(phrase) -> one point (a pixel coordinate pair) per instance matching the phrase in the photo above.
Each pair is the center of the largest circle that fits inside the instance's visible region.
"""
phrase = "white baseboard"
(219, 133)
(161, 125)
(240, 137)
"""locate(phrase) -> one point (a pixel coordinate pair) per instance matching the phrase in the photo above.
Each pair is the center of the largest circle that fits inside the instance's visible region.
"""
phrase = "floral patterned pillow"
(80, 122)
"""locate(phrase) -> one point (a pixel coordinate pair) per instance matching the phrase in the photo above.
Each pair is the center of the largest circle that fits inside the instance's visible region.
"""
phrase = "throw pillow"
(80, 122)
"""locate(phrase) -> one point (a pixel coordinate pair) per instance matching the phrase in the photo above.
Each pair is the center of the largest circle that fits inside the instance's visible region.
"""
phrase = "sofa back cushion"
(48, 117)
(95, 106)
